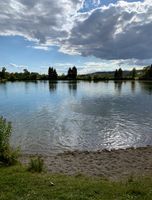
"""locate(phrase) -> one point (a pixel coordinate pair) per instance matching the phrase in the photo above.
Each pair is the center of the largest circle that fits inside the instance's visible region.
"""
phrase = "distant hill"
(104, 73)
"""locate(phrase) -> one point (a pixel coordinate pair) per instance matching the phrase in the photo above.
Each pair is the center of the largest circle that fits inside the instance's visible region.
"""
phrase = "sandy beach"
(114, 164)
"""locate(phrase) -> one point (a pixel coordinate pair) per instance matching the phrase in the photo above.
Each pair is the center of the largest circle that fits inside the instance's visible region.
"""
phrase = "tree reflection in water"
(53, 86)
(146, 86)
(72, 87)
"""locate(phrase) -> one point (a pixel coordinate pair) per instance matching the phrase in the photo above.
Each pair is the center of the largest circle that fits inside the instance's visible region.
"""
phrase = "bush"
(36, 165)
(8, 156)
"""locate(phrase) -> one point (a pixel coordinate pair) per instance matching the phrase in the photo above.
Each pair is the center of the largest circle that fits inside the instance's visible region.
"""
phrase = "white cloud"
(41, 47)
(20, 67)
(118, 31)
(111, 65)
(40, 21)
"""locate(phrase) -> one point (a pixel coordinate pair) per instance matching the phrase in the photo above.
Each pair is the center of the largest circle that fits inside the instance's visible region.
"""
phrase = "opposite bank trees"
(147, 73)
(52, 74)
(118, 75)
(3, 73)
(72, 73)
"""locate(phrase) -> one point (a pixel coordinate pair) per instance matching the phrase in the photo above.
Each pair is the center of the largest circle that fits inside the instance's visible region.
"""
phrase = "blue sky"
(17, 54)
(94, 36)
(17, 50)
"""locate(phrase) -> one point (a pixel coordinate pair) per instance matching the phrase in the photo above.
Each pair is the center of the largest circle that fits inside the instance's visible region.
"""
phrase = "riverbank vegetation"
(8, 156)
(72, 74)
(17, 183)
(36, 165)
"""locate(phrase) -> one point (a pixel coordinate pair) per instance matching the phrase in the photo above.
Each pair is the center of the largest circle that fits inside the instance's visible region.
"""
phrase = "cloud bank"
(121, 30)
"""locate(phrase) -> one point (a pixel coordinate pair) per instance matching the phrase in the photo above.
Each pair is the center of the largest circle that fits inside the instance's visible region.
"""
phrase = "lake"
(54, 117)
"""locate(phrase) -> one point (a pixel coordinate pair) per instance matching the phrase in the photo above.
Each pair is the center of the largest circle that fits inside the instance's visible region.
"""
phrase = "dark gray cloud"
(118, 31)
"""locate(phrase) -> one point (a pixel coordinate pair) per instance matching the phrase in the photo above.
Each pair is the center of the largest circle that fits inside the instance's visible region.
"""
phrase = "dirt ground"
(114, 164)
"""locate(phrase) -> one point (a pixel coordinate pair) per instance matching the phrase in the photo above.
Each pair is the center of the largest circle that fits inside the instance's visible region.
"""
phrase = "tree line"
(146, 74)
(118, 75)
(27, 75)
(72, 74)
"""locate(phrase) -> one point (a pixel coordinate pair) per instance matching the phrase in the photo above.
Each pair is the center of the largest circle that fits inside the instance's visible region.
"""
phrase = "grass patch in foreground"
(17, 183)
(36, 165)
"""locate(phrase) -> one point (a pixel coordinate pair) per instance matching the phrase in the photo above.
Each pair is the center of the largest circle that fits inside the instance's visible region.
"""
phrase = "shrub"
(8, 155)
(36, 165)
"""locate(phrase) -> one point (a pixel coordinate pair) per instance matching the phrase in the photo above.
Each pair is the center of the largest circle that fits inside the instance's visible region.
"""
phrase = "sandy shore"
(114, 164)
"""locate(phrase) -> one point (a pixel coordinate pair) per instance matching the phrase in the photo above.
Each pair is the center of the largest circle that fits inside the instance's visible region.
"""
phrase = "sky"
(93, 35)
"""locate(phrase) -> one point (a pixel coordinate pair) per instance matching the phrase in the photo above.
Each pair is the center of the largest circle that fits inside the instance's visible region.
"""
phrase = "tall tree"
(72, 73)
(118, 74)
(52, 74)
(3, 73)
(133, 73)
(147, 73)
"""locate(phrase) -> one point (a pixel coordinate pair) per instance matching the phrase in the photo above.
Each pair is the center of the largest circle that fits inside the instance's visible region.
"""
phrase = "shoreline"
(113, 164)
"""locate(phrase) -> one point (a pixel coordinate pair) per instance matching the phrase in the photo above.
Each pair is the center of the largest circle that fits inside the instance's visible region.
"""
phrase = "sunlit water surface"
(55, 117)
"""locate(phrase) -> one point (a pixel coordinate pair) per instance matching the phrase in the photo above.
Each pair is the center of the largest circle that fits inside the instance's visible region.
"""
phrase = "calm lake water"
(54, 117)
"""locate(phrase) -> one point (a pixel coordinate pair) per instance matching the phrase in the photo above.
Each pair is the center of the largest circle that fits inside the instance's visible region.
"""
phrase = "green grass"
(16, 183)
(36, 165)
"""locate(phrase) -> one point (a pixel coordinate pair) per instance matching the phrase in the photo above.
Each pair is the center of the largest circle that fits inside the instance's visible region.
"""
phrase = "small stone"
(51, 183)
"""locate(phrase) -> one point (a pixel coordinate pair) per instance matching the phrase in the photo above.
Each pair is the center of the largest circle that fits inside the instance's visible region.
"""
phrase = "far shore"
(79, 79)
(113, 165)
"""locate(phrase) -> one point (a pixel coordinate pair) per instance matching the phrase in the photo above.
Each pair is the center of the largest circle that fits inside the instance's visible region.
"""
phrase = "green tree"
(33, 76)
(118, 75)
(133, 73)
(26, 75)
(52, 74)
(147, 73)
(72, 73)
(74, 70)
(3, 74)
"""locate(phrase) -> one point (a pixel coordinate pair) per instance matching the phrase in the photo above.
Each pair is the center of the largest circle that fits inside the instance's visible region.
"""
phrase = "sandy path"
(115, 164)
